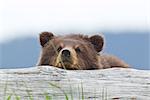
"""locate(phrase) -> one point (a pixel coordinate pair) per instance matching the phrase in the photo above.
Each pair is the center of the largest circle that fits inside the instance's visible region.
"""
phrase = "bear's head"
(70, 51)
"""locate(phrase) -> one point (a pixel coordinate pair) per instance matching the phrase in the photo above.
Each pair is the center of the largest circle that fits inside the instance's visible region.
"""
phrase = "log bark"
(106, 84)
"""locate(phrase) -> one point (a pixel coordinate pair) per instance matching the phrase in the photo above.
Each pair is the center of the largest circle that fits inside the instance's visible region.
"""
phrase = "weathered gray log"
(106, 84)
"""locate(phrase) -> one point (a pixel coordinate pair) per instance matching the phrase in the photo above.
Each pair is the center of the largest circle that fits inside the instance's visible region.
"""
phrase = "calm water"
(133, 48)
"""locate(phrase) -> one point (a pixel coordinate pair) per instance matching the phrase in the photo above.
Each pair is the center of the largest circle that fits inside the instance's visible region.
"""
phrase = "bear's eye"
(59, 48)
(78, 49)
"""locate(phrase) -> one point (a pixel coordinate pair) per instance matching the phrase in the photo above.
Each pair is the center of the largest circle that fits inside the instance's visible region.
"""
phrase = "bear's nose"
(66, 53)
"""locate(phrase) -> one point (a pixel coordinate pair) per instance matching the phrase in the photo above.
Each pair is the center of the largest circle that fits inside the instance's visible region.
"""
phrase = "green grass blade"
(5, 88)
(17, 97)
(29, 94)
(82, 91)
(56, 86)
(103, 94)
(71, 93)
(66, 96)
(106, 94)
(9, 97)
(79, 92)
(47, 97)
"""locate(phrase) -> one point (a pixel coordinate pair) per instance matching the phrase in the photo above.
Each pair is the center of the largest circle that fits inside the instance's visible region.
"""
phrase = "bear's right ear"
(98, 42)
(45, 37)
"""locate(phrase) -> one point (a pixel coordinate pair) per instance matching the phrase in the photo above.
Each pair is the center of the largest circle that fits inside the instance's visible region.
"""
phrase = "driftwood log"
(39, 83)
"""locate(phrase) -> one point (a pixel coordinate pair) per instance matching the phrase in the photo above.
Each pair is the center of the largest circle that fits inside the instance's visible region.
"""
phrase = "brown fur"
(84, 52)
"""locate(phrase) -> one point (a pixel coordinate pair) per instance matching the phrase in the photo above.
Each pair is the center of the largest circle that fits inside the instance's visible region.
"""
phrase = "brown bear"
(76, 51)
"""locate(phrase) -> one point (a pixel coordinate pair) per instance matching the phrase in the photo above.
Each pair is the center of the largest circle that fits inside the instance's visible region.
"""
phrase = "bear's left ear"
(97, 41)
(45, 37)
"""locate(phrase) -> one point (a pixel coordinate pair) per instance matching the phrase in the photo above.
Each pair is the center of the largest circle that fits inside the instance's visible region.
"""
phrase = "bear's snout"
(65, 53)
(66, 56)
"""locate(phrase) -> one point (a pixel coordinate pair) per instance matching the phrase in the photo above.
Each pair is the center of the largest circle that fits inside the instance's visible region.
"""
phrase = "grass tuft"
(66, 96)
(81, 95)
(28, 91)
(47, 97)
(9, 97)
(17, 97)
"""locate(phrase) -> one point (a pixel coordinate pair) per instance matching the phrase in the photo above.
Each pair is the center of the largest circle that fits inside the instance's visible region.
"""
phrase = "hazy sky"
(23, 18)
(29, 17)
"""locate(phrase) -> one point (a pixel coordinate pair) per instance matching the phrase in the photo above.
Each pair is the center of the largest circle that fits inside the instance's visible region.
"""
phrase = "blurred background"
(124, 23)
